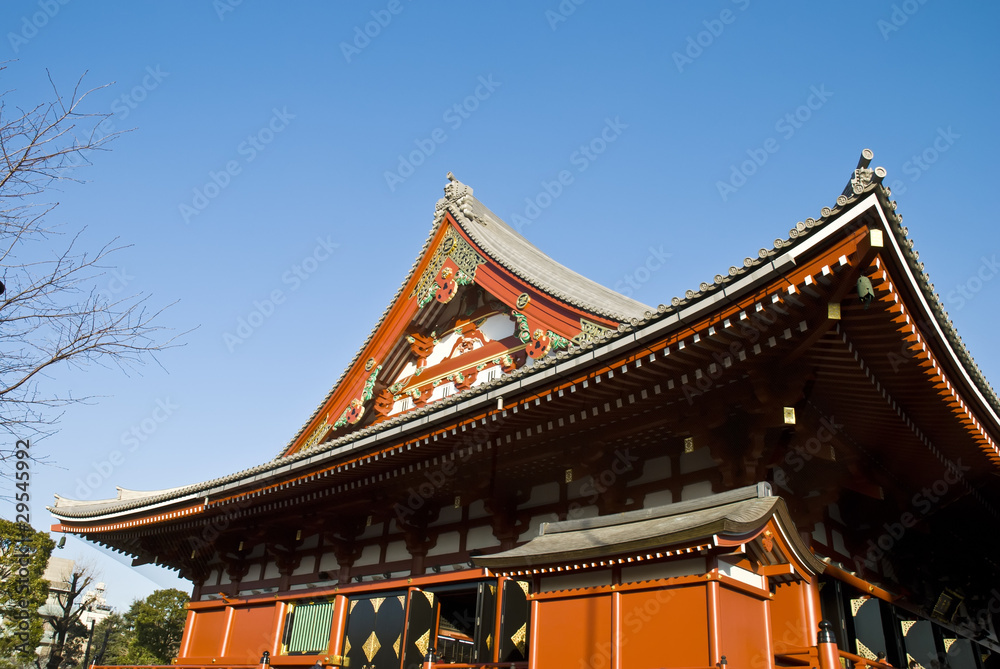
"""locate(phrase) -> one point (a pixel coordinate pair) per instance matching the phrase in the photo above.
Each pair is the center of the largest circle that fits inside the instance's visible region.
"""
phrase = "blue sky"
(283, 161)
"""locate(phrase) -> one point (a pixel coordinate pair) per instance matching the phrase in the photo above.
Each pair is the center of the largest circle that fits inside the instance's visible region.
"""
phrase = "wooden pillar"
(714, 643)
(829, 657)
(506, 524)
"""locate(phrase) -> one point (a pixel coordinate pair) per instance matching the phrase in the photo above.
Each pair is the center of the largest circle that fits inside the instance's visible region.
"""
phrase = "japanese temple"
(791, 465)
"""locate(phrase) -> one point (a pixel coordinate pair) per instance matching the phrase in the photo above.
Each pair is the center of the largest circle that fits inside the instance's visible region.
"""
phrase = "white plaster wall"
(446, 543)
(654, 469)
(697, 460)
(396, 550)
(658, 498)
(369, 555)
(480, 537)
(696, 490)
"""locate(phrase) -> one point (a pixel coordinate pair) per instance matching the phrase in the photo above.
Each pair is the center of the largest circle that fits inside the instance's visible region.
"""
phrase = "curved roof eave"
(802, 237)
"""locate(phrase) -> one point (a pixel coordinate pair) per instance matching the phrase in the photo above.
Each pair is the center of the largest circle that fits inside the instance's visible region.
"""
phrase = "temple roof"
(729, 515)
(638, 323)
(521, 257)
(511, 251)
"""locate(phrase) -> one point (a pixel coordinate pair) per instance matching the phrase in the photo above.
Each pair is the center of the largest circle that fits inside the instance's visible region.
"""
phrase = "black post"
(825, 632)
(90, 641)
(826, 645)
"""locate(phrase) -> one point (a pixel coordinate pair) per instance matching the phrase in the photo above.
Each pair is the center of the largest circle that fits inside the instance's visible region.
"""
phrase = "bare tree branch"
(51, 314)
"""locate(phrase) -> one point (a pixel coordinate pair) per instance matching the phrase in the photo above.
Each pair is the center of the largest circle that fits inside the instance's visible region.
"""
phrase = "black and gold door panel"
(421, 627)
(486, 615)
(373, 637)
(514, 616)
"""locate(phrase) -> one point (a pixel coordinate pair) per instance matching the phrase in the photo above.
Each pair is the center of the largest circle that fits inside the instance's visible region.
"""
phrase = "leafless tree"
(51, 314)
(68, 601)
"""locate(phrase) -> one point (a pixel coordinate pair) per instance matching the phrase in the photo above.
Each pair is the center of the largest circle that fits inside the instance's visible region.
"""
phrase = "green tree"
(23, 556)
(158, 622)
(111, 641)
(148, 633)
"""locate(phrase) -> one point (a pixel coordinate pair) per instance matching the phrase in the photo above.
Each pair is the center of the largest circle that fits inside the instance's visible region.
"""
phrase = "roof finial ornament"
(455, 192)
(863, 176)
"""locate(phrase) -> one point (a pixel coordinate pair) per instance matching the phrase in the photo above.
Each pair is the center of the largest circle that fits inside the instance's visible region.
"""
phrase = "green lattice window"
(309, 628)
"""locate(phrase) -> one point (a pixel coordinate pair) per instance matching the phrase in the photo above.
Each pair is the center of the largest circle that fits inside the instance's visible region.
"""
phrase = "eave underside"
(714, 386)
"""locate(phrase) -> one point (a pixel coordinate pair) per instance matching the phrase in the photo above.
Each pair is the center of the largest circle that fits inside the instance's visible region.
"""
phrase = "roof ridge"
(481, 214)
(864, 182)
(468, 211)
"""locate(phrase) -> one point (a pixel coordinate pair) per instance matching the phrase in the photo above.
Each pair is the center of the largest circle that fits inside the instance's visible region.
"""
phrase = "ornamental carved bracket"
(507, 524)
(286, 560)
(463, 256)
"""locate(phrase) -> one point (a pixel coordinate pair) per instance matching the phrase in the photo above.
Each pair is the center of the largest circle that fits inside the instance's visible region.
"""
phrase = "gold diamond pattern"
(906, 625)
(395, 646)
(856, 605)
(865, 652)
(377, 602)
(423, 642)
(524, 587)
(347, 647)
(354, 603)
(489, 642)
(519, 637)
(371, 646)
